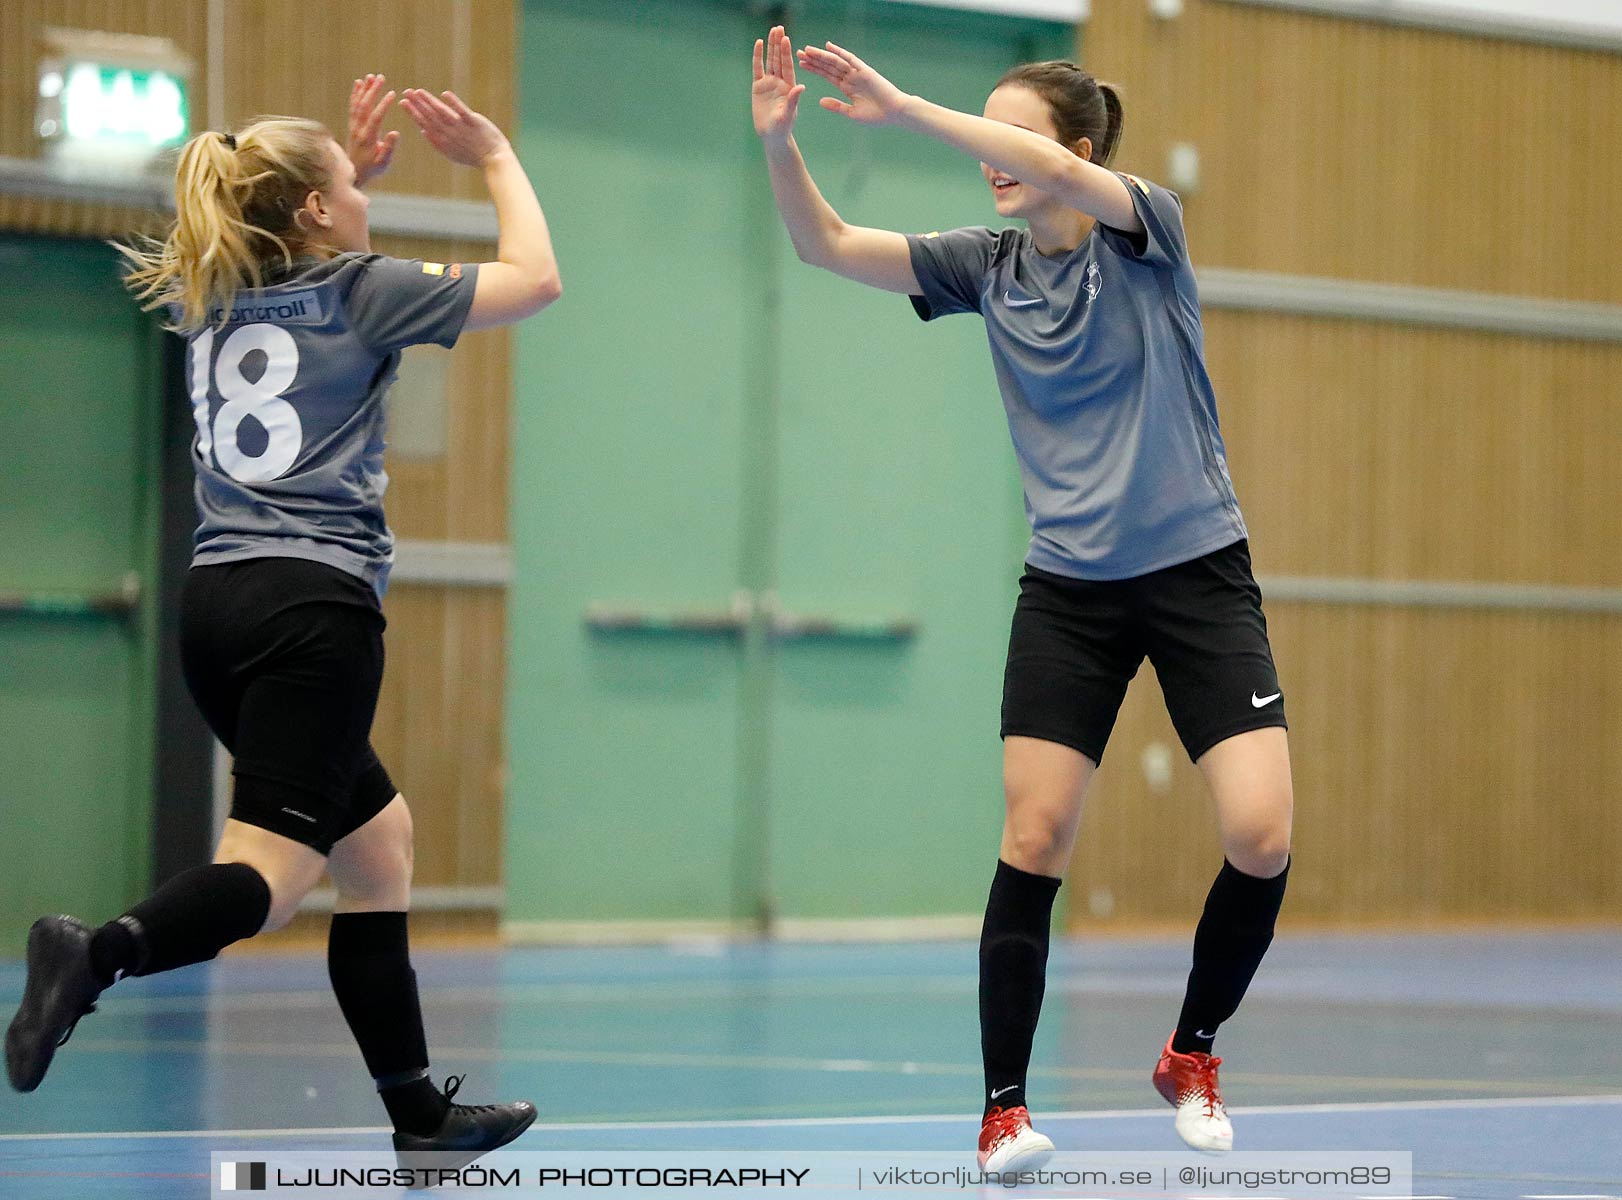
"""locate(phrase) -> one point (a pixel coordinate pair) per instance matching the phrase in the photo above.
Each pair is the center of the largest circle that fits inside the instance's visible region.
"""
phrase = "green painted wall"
(703, 416)
(78, 492)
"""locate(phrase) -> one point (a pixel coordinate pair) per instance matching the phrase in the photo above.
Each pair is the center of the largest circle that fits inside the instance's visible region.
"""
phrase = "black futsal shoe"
(61, 988)
(468, 1131)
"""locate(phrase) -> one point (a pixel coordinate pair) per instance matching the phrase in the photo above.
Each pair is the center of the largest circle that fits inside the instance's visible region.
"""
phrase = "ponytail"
(236, 205)
(1114, 118)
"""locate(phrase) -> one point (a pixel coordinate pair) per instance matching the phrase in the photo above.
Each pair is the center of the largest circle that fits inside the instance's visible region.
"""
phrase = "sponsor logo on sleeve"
(454, 270)
(295, 308)
(429, 268)
(1136, 182)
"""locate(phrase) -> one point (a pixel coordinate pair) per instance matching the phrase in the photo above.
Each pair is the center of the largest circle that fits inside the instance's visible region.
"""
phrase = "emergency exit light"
(111, 97)
(145, 108)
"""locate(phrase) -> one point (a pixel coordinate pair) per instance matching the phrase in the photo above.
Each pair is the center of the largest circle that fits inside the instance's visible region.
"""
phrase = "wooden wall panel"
(440, 720)
(1360, 150)
(439, 726)
(462, 497)
(1395, 452)
(302, 59)
(1448, 765)
(441, 717)
(72, 218)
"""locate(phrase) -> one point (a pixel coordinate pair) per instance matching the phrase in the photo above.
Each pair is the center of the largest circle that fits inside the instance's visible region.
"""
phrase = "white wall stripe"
(431, 898)
(1220, 287)
(1449, 18)
(1316, 296)
(1424, 593)
(455, 564)
(391, 212)
(1070, 12)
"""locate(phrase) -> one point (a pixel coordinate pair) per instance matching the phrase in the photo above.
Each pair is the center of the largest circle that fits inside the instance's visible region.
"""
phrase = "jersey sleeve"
(951, 269)
(397, 302)
(1162, 242)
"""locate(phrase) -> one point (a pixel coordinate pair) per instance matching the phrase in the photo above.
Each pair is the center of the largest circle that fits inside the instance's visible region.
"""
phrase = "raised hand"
(874, 100)
(775, 97)
(452, 128)
(370, 154)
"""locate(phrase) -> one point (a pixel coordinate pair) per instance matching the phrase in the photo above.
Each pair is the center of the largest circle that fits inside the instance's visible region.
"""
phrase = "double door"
(767, 524)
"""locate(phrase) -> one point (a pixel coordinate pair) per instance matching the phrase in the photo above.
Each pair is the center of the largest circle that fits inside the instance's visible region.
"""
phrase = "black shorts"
(1077, 643)
(285, 658)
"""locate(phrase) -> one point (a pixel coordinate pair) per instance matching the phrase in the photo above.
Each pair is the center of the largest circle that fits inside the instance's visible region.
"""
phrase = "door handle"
(120, 605)
(733, 621)
(786, 626)
(804, 627)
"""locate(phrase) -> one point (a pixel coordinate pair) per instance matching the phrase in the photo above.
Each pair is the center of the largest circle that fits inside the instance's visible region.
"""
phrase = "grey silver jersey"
(1100, 357)
(288, 396)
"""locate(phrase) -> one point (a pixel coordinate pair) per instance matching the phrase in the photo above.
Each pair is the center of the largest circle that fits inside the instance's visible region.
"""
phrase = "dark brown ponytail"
(1082, 107)
(1114, 119)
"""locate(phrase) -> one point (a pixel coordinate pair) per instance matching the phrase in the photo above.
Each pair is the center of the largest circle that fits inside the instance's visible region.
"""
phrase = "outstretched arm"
(524, 278)
(876, 257)
(1026, 156)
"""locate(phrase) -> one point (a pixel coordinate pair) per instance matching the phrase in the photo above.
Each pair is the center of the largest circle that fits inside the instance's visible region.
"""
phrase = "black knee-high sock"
(1013, 976)
(1233, 935)
(369, 962)
(188, 920)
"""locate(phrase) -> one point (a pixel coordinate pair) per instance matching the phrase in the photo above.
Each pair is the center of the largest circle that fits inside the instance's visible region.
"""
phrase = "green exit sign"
(95, 102)
(111, 100)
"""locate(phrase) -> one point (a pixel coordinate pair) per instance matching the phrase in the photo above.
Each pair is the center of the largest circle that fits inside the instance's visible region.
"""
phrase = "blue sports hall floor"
(1496, 1059)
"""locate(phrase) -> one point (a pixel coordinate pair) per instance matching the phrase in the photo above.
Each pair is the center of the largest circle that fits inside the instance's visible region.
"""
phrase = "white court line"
(1098, 1114)
(1424, 1105)
(192, 1133)
(915, 1119)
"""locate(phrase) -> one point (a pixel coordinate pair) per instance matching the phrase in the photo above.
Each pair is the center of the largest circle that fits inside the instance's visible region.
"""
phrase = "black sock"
(369, 962)
(1013, 976)
(1233, 935)
(188, 920)
(414, 1105)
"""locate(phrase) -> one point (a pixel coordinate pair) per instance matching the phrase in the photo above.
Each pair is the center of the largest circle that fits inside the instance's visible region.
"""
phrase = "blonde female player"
(294, 331)
(1137, 546)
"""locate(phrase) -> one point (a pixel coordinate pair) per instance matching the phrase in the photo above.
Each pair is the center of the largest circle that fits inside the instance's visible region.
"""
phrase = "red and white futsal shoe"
(1189, 1084)
(1008, 1143)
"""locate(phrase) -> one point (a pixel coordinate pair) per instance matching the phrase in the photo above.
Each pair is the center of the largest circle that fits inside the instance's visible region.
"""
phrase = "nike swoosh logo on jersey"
(1263, 701)
(1008, 299)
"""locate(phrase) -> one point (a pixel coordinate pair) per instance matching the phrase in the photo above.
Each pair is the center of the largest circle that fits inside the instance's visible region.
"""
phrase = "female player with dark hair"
(294, 330)
(1137, 546)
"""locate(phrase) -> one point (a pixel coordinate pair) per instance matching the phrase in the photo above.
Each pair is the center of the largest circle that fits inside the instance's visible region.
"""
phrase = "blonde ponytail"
(236, 202)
